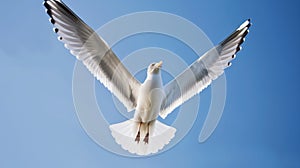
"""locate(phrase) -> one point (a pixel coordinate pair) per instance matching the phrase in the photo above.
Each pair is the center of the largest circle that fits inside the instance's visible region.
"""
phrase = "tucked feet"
(137, 138)
(146, 139)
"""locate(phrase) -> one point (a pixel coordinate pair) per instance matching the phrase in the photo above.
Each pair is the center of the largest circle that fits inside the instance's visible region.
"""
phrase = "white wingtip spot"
(244, 25)
(66, 46)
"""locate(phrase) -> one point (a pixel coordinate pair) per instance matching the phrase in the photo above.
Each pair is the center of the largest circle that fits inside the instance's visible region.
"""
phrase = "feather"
(95, 54)
(201, 73)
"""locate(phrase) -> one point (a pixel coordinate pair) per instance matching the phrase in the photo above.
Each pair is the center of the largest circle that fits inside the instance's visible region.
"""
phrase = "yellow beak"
(158, 65)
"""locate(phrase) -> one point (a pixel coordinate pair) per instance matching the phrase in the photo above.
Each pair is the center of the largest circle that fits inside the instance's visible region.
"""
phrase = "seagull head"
(154, 68)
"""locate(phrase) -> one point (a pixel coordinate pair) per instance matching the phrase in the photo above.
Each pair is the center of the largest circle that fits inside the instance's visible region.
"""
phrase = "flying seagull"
(143, 134)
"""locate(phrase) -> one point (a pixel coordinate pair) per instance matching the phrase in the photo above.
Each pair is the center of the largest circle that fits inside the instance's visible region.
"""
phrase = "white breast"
(149, 99)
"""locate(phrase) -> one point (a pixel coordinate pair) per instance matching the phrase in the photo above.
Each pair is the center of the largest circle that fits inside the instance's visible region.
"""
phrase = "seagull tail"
(125, 135)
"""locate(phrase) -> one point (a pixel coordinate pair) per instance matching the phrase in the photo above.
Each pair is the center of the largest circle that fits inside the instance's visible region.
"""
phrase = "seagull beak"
(159, 65)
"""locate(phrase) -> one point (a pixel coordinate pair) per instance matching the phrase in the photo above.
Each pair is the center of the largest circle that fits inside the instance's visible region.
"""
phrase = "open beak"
(158, 65)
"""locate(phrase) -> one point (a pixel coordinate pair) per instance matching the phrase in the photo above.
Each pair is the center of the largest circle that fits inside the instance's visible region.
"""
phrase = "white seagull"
(143, 134)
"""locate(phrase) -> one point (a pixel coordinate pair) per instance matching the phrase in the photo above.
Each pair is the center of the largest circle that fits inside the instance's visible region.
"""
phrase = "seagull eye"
(152, 64)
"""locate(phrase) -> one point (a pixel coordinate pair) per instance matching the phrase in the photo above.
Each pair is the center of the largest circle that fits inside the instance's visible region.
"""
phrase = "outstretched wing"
(200, 74)
(95, 54)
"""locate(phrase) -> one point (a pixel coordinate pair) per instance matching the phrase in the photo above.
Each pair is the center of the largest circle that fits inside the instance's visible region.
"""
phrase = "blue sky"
(260, 123)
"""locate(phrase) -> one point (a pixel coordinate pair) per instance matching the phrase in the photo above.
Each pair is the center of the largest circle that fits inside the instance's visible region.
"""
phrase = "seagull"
(143, 134)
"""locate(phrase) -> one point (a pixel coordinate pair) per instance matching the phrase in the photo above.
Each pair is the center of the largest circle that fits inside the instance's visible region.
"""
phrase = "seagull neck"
(153, 76)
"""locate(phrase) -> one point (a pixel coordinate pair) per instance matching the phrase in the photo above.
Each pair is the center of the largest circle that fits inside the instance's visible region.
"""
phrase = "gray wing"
(200, 74)
(95, 54)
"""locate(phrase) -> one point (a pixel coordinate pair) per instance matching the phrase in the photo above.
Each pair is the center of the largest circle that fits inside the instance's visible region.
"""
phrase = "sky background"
(260, 126)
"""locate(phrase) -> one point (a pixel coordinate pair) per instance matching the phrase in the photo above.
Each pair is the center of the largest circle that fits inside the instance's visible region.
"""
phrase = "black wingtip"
(46, 5)
(52, 20)
(49, 12)
(249, 20)
(55, 30)
(238, 49)
(48, 8)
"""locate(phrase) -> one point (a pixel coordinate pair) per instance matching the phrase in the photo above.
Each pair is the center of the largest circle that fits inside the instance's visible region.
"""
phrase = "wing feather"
(201, 73)
(88, 47)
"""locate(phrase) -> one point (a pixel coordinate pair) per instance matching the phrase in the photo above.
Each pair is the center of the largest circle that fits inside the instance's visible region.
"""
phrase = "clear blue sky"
(260, 124)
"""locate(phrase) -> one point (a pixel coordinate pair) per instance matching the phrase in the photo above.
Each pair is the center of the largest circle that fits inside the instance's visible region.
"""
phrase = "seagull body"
(150, 98)
(143, 134)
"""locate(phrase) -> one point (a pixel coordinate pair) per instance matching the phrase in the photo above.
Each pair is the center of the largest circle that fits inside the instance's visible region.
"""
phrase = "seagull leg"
(146, 139)
(137, 138)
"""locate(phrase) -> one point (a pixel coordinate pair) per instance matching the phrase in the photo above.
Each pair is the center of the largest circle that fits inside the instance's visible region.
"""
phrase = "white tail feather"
(125, 133)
